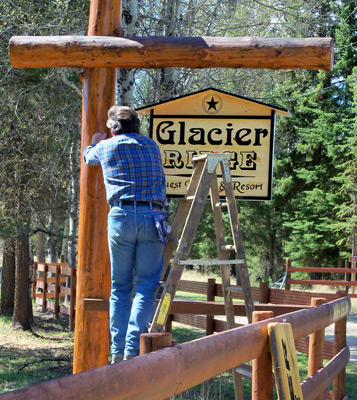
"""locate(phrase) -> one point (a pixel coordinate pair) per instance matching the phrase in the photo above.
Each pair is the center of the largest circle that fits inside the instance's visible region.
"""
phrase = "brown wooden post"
(168, 325)
(262, 368)
(72, 298)
(288, 276)
(34, 283)
(44, 293)
(316, 345)
(57, 290)
(347, 265)
(353, 277)
(211, 294)
(341, 340)
(264, 292)
(150, 342)
(93, 275)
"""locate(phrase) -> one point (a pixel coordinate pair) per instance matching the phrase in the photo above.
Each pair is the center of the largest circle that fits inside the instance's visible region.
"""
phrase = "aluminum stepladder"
(183, 230)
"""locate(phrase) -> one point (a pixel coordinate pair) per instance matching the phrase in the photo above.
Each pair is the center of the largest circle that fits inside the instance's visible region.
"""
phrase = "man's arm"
(90, 155)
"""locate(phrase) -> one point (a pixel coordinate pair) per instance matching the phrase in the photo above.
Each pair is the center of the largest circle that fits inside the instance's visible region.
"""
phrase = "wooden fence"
(170, 371)
(347, 271)
(201, 314)
(49, 288)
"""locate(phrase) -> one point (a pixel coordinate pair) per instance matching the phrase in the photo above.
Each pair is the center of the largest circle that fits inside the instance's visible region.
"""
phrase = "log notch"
(162, 52)
(93, 279)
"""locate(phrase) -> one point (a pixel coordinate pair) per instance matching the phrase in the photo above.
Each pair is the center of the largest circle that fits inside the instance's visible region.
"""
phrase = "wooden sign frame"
(212, 120)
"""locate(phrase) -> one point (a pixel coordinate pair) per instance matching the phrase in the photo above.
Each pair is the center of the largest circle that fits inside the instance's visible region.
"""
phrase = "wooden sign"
(353, 259)
(216, 121)
(287, 378)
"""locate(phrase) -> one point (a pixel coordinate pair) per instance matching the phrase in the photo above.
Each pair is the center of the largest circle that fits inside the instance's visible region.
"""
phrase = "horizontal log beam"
(162, 52)
(315, 384)
(214, 308)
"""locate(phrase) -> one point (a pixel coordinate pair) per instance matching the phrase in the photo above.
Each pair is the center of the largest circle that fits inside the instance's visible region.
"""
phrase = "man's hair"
(122, 119)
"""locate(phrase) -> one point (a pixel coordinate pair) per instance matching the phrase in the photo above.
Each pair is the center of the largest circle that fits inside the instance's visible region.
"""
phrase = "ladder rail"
(180, 217)
(184, 246)
(237, 238)
(225, 275)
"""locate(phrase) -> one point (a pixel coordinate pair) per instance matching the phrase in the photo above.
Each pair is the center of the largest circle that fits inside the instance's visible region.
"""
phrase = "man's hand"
(98, 137)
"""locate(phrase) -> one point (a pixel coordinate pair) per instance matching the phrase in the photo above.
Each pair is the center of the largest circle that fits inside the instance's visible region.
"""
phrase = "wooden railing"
(346, 271)
(170, 371)
(48, 288)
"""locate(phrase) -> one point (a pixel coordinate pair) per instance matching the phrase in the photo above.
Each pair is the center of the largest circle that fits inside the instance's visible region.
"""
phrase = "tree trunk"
(168, 81)
(64, 250)
(125, 77)
(8, 278)
(52, 241)
(23, 306)
(73, 212)
(74, 201)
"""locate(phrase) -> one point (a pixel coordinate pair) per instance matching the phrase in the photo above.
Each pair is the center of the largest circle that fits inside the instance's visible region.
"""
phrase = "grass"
(30, 357)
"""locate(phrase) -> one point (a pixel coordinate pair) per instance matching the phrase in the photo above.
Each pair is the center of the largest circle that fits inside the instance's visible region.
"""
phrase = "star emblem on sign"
(212, 104)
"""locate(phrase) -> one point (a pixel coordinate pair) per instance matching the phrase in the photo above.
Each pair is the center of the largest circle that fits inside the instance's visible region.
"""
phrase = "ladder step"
(210, 262)
(244, 371)
(237, 289)
(221, 204)
(228, 247)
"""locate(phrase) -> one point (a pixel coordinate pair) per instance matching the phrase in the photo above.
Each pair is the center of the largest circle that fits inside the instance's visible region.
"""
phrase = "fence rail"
(168, 372)
(349, 270)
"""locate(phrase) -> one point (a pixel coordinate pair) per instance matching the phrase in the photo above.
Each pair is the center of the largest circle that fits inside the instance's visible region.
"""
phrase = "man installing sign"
(135, 188)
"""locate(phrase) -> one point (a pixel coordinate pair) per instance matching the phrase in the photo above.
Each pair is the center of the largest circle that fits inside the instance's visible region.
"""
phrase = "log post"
(264, 292)
(316, 345)
(57, 290)
(211, 294)
(347, 265)
(168, 325)
(44, 293)
(341, 340)
(150, 342)
(288, 275)
(262, 368)
(93, 273)
(72, 298)
(34, 283)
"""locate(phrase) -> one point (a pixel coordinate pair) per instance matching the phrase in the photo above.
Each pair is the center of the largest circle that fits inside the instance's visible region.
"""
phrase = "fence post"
(353, 277)
(288, 276)
(150, 342)
(264, 292)
(57, 290)
(34, 281)
(262, 368)
(168, 325)
(316, 345)
(340, 340)
(72, 298)
(211, 293)
(347, 265)
(44, 293)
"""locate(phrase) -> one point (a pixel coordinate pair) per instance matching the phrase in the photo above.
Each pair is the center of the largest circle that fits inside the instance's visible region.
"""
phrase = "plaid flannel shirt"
(132, 167)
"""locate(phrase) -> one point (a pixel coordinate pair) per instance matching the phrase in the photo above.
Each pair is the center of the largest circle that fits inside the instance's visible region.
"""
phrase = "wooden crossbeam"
(162, 52)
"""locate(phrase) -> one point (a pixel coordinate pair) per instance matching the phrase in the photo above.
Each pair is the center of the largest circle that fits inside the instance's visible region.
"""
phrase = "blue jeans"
(136, 257)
